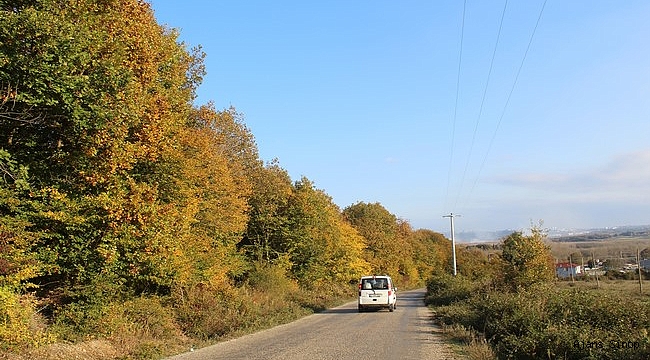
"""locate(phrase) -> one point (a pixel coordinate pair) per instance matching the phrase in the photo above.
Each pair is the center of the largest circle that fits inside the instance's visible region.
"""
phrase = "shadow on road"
(340, 311)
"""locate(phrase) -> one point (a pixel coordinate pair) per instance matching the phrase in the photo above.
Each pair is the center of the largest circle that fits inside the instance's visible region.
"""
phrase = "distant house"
(565, 270)
(645, 264)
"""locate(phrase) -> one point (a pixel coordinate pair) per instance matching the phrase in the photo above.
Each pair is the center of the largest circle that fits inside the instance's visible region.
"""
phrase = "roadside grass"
(467, 342)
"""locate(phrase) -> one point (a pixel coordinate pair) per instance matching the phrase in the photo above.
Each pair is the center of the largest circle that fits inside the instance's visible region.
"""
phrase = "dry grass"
(90, 350)
(604, 249)
(606, 286)
(471, 344)
(480, 350)
(459, 333)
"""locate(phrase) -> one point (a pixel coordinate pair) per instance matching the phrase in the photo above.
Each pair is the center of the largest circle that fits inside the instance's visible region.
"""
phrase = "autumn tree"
(17, 263)
(212, 193)
(130, 181)
(431, 252)
(380, 229)
(474, 263)
(321, 245)
(526, 260)
(268, 215)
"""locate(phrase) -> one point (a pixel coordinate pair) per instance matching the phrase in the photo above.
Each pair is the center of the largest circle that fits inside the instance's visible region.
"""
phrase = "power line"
(514, 83)
(480, 113)
(453, 130)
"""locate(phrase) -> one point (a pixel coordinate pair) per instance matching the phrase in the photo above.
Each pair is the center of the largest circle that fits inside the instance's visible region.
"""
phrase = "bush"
(445, 289)
(545, 323)
(272, 279)
(20, 324)
(77, 320)
(206, 312)
(143, 317)
(142, 326)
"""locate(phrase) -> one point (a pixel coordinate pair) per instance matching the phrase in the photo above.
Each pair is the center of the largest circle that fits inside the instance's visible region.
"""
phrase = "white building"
(565, 270)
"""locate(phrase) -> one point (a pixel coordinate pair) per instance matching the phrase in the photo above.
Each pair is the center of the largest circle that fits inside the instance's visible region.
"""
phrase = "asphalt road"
(342, 333)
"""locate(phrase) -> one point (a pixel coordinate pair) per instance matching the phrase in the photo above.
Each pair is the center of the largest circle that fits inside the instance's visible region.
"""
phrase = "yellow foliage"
(19, 327)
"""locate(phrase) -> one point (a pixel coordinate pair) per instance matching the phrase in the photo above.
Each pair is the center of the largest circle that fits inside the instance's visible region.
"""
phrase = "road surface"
(342, 333)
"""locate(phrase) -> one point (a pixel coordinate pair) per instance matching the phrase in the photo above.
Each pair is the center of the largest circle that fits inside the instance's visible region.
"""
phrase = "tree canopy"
(526, 260)
(114, 184)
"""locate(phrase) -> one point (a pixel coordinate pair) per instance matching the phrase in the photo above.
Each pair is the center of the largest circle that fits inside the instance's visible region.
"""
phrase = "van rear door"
(374, 293)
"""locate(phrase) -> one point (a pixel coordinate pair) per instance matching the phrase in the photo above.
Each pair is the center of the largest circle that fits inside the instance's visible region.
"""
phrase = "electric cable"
(453, 130)
(480, 112)
(514, 84)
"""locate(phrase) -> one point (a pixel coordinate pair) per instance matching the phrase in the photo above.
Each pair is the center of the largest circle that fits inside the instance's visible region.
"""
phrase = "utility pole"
(453, 240)
(638, 263)
(594, 268)
(571, 269)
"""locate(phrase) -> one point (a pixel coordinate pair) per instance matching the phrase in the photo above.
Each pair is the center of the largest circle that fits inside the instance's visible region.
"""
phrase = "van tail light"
(390, 293)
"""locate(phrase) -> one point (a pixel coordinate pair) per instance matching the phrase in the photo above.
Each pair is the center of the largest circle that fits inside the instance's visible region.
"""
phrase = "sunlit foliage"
(116, 189)
(526, 260)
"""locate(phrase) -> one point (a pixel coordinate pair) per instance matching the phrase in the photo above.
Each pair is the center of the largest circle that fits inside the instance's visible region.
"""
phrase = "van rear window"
(374, 284)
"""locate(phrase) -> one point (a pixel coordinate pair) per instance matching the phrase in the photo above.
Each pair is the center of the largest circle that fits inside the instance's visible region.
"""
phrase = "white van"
(377, 291)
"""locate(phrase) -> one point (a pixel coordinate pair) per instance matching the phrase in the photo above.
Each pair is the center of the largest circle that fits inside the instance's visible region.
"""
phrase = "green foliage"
(431, 252)
(321, 246)
(17, 263)
(526, 260)
(129, 210)
(380, 229)
(522, 315)
(543, 322)
(268, 221)
(446, 289)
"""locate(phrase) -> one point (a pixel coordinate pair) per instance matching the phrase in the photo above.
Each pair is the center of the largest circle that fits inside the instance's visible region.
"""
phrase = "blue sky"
(361, 98)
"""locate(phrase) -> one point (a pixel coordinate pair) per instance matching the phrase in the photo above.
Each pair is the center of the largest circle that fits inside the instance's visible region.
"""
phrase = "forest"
(132, 216)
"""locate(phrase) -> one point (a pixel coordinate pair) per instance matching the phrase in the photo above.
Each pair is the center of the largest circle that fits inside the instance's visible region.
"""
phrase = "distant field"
(607, 286)
(615, 247)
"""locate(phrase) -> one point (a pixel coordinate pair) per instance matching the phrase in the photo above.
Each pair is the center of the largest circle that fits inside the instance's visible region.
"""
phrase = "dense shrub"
(546, 323)
(19, 321)
(205, 312)
(445, 289)
(143, 317)
(272, 279)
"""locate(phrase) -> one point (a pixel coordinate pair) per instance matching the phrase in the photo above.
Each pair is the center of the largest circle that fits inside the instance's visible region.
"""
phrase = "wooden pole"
(638, 262)
(593, 264)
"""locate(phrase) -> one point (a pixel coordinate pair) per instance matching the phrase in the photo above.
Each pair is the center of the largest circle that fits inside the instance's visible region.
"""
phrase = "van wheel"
(360, 308)
(391, 307)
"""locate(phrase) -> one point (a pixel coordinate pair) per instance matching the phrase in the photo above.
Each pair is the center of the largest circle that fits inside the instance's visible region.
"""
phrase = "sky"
(505, 113)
